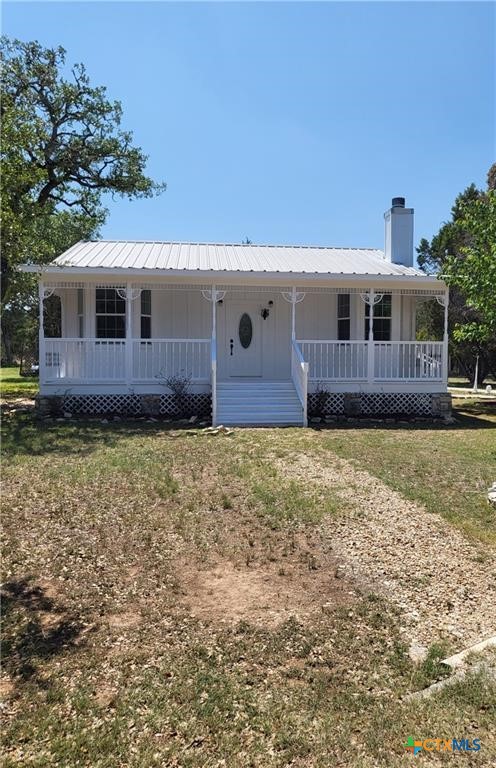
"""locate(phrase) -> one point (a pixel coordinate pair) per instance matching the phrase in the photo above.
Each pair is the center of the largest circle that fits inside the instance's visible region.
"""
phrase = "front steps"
(258, 402)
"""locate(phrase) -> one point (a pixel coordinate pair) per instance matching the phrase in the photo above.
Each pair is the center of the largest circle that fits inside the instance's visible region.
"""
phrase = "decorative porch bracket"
(129, 293)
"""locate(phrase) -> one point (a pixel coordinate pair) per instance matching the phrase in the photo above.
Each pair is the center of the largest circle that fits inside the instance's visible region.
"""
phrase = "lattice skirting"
(396, 404)
(325, 404)
(384, 404)
(198, 404)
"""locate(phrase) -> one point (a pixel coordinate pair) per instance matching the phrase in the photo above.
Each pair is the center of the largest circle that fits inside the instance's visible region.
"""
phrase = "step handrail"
(299, 374)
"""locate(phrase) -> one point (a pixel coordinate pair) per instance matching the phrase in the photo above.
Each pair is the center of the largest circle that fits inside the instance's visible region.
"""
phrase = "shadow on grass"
(467, 416)
(35, 628)
(23, 434)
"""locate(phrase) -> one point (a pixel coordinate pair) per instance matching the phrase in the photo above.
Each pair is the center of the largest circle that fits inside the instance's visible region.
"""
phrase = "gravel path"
(396, 548)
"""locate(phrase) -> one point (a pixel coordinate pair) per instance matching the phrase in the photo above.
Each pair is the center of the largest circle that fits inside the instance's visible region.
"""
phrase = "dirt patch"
(7, 688)
(262, 594)
(124, 620)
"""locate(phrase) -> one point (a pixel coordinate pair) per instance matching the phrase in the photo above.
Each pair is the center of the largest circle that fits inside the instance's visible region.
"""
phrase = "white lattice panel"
(393, 403)
(333, 405)
(103, 404)
(195, 405)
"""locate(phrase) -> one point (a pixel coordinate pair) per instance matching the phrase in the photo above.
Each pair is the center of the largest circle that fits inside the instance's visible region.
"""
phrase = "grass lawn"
(14, 386)
(169, 598)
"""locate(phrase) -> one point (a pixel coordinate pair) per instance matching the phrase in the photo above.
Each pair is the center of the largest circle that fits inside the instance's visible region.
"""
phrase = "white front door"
(244, 339)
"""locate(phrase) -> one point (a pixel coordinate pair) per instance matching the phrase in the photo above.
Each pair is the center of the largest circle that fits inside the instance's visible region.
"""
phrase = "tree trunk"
(7, 350)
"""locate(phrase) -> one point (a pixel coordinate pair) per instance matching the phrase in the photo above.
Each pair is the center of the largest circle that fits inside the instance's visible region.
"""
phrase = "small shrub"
(178, 384)
(320, 399)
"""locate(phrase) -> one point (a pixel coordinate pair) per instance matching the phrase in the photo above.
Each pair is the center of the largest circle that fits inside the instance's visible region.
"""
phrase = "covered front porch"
(133, 337)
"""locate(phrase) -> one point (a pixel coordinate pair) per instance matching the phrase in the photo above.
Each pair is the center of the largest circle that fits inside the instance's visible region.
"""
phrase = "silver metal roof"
(215, 257)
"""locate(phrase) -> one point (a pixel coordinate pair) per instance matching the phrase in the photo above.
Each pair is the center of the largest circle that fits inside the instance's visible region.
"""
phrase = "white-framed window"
(344, 316)
(110, 314)
(80, 312)
(146, 314)
(382, 319)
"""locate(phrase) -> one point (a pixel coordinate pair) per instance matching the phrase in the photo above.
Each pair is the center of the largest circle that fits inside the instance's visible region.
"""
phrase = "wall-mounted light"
(265, 313)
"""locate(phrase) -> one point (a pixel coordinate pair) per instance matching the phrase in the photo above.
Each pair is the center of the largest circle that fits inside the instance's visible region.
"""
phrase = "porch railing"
(335, 360)
(84, 360)
(96, 360)
(393, 360)
(167, 357)
(299, 374)
(408, 360)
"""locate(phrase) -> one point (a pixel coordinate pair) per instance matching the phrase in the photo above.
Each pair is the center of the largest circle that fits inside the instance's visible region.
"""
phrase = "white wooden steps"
(246, 402)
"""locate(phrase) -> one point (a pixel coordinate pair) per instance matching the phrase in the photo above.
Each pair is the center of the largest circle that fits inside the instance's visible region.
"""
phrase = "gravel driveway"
(444, 584)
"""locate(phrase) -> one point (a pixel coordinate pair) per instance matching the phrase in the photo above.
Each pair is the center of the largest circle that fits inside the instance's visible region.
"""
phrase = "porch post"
(41, 337)
(129, 335)
(293, 313)
(213, 356)
(445, 338)
(370, 355)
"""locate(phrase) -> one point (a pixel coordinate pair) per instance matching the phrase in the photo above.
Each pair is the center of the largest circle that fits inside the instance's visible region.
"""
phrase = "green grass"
(106, 665)
(12, 385)
(447, 469)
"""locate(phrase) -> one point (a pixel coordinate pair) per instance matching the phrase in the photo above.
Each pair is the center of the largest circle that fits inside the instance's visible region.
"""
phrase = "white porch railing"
(335, 360)
(393, 360)
(299, 374)
(84, 360)
(408, 360)
(188, 357)
(96, 360)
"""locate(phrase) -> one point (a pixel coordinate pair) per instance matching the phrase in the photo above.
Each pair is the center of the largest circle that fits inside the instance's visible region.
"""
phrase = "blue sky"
(287, 122)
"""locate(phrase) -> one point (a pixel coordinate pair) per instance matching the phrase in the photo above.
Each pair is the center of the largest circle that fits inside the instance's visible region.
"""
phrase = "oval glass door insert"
(245, 330)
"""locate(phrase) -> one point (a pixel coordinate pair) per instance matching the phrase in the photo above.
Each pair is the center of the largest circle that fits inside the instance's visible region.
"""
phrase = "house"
(263, 334)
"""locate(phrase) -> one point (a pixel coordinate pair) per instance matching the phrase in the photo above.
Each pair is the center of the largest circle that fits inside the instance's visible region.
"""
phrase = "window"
(80, 312)
(343, 316)
(146, 314)
(110, 314)
(382, 319)
(245, 330)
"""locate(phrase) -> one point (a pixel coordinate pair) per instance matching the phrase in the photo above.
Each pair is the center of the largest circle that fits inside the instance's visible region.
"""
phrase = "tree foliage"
(473, 269)
(63, 149)
(464, 253)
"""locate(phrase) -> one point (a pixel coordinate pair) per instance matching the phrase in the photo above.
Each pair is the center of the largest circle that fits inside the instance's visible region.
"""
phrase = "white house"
(266, 334)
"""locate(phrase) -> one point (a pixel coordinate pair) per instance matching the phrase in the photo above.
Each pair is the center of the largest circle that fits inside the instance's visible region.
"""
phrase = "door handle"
(231, 344)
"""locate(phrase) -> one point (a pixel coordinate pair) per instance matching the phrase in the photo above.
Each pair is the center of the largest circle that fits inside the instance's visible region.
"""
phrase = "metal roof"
(217, 257)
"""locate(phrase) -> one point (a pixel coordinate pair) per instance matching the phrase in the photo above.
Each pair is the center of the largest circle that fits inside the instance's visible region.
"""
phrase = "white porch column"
(41, 337)
(213, 295)
(214, 356)
(445, 338)
(129, 335)
(370, 349)
(293, 313)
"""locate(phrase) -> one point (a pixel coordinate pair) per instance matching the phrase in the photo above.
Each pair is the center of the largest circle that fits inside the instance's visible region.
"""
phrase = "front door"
(244, 339)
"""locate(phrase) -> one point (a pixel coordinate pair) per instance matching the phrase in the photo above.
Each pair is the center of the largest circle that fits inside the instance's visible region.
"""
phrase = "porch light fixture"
(265, 313)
